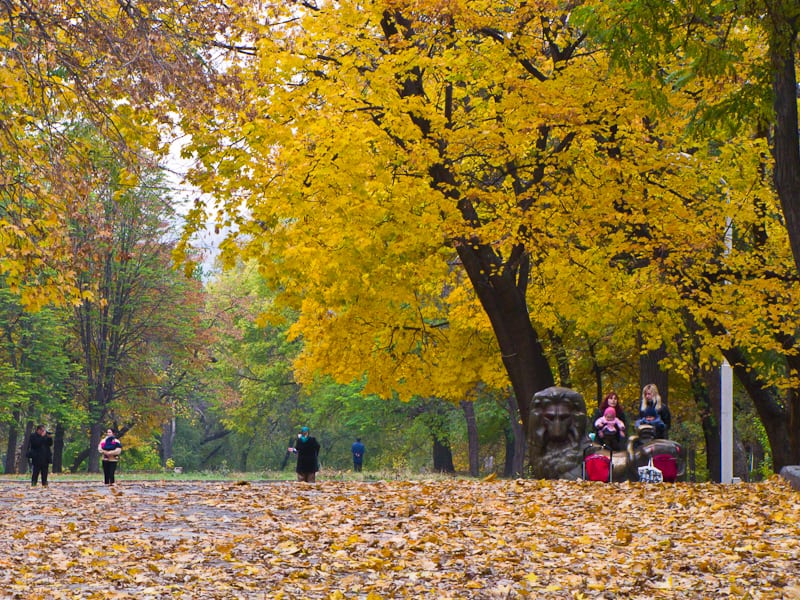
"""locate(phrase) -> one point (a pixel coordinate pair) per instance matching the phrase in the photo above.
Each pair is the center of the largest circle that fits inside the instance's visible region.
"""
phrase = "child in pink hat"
(609, 428)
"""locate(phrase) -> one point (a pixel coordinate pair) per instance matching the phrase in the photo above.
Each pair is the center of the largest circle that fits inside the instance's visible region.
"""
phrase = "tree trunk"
(58, 449)
(517, 465)
(167, 441)
(650, 372)
(22, 458)
(97, 431)
(786, 145)
(501, 286)
(207, 459)
(442, 457)
(508, 465)
(741, 467)
(755, 459)
(78, 460)
(786, 155)
(597, 371)
(472, 436)
(500, 283)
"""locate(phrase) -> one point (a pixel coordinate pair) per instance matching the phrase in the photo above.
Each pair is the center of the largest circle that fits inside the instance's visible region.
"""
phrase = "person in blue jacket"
(651, 425)
(358, 455)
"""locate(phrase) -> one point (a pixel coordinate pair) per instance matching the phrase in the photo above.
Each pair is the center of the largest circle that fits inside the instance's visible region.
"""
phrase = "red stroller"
(668, 465)
(597, 464)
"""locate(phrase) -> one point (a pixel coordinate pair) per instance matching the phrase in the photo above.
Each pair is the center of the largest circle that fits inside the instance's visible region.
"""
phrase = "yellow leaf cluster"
(373, 146)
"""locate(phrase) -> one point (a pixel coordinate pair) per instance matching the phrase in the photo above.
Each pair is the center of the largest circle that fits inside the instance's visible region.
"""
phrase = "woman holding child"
(611, 399)
(651, 398)
(110, 448)
(605, 426)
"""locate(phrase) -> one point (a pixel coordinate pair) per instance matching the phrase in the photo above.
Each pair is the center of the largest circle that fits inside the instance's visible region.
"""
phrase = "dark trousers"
(357, 467)
(109, 467)
(37, 470)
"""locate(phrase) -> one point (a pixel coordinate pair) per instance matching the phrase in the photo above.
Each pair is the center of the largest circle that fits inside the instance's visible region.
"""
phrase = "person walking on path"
(110, 448)
(307, 449)
(358, 455)
(40, 454)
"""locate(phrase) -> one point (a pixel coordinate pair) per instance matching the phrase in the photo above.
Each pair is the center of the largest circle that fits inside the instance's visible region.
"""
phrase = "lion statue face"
(557, 426)
(557, 421)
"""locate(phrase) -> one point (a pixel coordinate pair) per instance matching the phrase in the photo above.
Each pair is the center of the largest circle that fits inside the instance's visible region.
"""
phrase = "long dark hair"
(604, 404)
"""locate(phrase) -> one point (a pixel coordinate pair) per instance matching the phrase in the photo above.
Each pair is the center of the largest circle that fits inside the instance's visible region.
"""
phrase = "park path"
(446, 539)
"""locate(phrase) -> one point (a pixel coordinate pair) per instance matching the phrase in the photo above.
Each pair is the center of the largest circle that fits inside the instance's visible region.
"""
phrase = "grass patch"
(287, 475)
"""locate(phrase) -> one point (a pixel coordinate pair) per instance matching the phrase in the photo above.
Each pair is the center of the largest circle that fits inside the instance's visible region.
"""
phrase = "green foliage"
(138, 324)
(255, 391)
(140, 458)
(37, 371)
(753, 435)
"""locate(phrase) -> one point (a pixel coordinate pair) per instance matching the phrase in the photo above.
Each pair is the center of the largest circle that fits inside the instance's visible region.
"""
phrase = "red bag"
(668, 465)
(597, 467)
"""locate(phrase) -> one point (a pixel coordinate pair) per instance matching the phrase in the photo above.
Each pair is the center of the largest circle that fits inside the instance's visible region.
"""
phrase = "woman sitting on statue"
(610, 430)
(651, 398)
(611, 399)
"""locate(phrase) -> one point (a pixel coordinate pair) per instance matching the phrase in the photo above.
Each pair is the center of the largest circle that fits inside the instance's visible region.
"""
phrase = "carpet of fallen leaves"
(442, 539)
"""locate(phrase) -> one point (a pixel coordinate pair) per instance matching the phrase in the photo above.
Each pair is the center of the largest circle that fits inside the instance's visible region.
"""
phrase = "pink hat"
(610, 414)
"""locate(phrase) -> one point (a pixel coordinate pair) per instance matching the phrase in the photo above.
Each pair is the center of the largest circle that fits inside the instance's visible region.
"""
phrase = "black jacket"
(39, 449)
(307, 452)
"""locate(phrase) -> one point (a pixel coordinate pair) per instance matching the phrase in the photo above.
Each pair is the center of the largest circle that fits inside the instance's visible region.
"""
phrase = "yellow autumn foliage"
(329, 174)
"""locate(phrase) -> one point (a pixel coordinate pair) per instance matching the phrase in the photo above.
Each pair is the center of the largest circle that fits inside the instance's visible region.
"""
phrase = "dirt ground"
(443, 539)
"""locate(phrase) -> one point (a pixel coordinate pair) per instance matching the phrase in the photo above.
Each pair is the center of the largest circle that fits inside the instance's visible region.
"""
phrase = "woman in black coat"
(307, 450)
(651, 397)
(40, 454)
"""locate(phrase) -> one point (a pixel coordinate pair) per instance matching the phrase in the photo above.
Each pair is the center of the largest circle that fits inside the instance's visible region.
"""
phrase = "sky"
(184, 194)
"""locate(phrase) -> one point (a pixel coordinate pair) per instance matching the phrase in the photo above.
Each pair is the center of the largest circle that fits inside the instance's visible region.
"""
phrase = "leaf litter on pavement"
(392, 539)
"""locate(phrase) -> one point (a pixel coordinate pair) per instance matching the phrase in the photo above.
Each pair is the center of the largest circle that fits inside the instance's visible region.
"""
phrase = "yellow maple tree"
(437, 187)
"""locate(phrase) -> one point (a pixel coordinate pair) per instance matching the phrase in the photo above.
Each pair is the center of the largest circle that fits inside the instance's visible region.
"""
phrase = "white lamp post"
(726, 423)
(726, 397)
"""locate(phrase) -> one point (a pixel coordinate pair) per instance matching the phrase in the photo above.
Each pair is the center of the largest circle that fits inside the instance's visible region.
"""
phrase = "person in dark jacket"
(358, 455)
(40, 454)
(110, 448)
(613, 401)
(651, 397)
(651, 425)
(307, 449)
